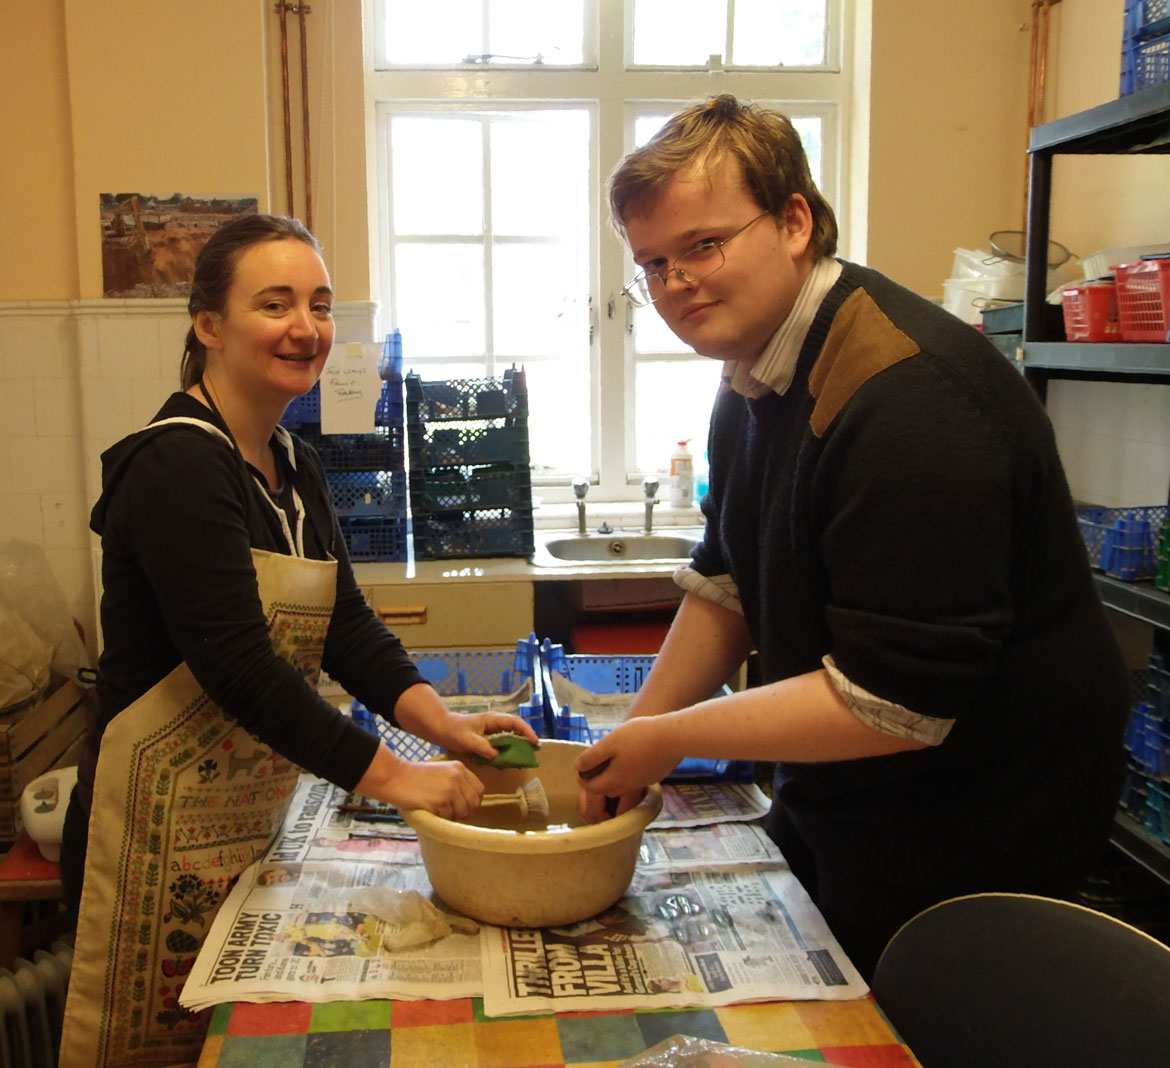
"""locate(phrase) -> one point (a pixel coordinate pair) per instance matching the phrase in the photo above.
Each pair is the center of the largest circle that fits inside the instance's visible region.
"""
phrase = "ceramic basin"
(517, 872)
(557, 548)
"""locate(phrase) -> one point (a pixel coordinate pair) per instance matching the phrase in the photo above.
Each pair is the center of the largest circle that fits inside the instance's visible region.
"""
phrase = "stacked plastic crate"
(470, 483)
(366, 472)
(1146, 796)
(1145, 45)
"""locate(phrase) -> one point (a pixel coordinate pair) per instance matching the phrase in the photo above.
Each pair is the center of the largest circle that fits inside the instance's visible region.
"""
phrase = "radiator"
(32, 1002)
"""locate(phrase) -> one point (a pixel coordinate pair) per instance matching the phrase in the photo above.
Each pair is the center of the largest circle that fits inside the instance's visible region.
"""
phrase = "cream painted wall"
(39, 260)
(948, 116)
(163, 100)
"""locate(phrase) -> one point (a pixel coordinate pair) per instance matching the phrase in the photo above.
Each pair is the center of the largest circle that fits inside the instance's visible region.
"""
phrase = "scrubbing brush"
(531, 798)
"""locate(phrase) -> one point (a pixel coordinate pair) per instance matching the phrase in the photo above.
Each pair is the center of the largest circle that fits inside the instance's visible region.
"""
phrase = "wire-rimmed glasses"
(701, 262)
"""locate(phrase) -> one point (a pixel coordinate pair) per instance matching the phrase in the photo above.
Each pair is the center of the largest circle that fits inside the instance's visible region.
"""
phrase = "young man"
(890, 529)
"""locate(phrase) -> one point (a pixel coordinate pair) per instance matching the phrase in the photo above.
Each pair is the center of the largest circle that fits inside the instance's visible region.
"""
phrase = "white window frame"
(615, 95)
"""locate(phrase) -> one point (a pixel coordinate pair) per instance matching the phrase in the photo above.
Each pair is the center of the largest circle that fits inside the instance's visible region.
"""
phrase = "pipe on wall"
(283, 10)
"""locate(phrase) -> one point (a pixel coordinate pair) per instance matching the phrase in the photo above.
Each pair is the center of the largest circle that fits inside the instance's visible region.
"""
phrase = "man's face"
(731, 314)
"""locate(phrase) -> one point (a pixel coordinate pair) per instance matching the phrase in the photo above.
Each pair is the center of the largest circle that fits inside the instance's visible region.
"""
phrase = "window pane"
(558, 417)
(767, 34)
(531, 308)
(540, 166)
(438, 32)
(437, 174)
(809, 129)
(451, 32)
(439, 299)
(524, 29)
(680, 33)
(540, 301)
(651, 334)
(672, 403)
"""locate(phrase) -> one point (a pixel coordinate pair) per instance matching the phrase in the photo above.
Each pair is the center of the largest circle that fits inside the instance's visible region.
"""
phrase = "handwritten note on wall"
(350, 388)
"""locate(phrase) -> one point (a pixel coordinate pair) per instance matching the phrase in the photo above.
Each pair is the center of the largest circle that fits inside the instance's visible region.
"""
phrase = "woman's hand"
(466, 733)
(421, 711)
(445, 787)
(635, 754)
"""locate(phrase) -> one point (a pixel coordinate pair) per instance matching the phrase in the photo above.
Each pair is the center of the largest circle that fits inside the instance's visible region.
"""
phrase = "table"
(25, 875)
(446, 1034)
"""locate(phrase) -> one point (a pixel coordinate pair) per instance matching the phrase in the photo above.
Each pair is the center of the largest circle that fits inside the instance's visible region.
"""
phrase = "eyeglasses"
(701, 262)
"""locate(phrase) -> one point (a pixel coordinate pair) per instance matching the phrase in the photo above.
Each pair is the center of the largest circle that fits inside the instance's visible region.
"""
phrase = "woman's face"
(275, 332)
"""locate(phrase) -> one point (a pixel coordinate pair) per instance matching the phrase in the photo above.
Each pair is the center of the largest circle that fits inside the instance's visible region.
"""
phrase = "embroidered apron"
(184, 800)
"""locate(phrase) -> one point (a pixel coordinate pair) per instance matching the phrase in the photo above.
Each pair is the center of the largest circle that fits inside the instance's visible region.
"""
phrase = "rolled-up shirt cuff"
(719, 589)
(886, 716)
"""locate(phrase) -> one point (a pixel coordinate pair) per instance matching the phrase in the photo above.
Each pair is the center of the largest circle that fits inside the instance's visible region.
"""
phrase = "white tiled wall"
(42, 486)
(1114, 438)
(74, 378)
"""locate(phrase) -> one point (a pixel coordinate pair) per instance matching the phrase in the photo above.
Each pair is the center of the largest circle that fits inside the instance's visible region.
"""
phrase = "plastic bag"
(408, 918)
(684, 1051)
(24, 659)
(29, 589)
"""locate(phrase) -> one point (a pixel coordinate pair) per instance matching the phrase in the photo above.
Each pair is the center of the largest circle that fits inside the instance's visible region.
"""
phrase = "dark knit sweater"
(179, 515)
(902, 508)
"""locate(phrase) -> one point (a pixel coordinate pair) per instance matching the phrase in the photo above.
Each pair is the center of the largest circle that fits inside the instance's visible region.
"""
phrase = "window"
(496, 122)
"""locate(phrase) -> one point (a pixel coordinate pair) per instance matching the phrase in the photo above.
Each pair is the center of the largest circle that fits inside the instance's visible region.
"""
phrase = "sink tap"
(650, 488)
(580, 488)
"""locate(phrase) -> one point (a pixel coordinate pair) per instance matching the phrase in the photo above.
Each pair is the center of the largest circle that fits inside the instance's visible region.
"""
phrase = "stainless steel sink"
(558, 548)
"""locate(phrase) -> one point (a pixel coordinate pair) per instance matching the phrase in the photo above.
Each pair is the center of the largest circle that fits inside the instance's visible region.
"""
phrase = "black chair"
(1017, 981)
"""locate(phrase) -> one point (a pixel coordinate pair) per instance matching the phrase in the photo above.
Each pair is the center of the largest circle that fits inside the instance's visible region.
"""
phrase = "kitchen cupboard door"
(455, 615)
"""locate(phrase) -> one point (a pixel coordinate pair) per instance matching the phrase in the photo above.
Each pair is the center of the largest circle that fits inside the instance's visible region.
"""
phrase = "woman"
(226, 589)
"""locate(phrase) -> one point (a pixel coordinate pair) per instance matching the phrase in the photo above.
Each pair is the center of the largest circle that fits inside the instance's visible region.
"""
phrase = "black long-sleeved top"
(179, 514)
(902, 509)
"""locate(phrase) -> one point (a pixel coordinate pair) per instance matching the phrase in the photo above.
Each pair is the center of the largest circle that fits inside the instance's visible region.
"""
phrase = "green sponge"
(513, 751)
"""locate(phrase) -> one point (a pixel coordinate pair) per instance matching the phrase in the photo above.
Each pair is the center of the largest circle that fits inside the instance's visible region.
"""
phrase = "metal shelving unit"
(1131, 125)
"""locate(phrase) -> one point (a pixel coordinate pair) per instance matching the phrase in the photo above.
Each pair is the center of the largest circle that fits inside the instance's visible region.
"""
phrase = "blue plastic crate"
(492, 486)
(1157, 822)
(1122, 541)
(380, 451)
(368, 493)
(375, 538)
(461, 534)
(466, 444)
(617, 674)
(1144, 63)
(1146, 18)
(459, 400)
(1147, 739)
(304, 412)
(479, 672)
(1134, 795)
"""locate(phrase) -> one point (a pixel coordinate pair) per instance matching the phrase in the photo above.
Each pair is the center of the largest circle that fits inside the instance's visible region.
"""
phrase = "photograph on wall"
(149, 243)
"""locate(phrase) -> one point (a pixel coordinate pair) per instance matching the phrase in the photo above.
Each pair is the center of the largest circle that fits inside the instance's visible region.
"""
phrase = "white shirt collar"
(775, 366)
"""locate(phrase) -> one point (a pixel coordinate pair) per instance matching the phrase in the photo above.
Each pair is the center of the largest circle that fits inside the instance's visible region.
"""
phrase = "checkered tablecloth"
(446, 1034)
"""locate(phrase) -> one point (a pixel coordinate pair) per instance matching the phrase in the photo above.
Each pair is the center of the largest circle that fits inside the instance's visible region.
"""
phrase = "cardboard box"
(35, 738)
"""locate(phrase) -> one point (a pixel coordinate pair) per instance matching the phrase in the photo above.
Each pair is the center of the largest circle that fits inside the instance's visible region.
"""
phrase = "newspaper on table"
(677, 939)
(287, 931)
(713, 916)
(695, 804)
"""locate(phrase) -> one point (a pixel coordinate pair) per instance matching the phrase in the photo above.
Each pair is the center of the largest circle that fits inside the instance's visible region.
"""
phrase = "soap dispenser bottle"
(682, 476)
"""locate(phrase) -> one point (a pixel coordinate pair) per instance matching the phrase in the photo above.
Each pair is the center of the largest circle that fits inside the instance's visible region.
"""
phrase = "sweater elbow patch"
(720, 589)
(888, 717)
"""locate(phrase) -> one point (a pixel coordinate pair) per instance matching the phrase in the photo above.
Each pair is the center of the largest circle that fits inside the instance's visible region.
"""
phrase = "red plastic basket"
(1143, 299)
(1090, 313)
